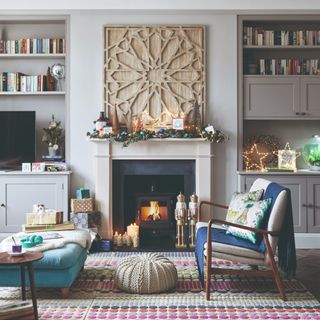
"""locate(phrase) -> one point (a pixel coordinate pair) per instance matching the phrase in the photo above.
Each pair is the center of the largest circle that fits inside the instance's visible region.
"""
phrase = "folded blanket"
(79, 236)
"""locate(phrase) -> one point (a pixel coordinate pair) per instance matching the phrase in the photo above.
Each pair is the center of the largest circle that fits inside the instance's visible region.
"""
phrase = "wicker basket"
(82, 205)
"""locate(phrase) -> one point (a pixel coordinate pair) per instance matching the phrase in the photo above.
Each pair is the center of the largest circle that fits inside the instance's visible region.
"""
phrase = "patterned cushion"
(251, 216)
(238, 204)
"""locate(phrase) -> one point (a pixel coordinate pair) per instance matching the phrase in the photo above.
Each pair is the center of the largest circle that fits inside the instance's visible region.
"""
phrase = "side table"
(26, 260)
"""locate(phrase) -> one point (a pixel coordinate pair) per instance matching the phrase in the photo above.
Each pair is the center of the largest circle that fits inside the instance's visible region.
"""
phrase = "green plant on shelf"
(311, 154)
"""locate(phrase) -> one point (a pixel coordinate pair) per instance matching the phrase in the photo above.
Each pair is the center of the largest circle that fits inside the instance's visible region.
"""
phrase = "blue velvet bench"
(58, 268)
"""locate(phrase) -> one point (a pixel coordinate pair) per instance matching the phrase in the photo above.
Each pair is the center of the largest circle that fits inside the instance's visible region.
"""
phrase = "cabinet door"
(298, 189)
(19, 194)
(313, 212)
(271, 97)
(310, 96)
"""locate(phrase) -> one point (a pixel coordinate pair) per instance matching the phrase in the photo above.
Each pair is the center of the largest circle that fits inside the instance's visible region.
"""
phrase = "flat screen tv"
(17, 138)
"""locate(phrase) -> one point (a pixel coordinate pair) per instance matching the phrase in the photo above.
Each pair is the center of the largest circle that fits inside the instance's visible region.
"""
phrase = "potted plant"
(53, 136)
(311, 155)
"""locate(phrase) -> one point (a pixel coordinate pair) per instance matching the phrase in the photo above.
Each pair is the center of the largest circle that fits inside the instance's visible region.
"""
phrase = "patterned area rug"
(94, 296)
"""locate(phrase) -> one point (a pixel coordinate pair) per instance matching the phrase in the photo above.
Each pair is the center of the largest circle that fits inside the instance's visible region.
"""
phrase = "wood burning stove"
(155, 215)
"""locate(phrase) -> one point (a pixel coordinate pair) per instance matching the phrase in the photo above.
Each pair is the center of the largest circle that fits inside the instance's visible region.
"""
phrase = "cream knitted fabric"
(146, 273)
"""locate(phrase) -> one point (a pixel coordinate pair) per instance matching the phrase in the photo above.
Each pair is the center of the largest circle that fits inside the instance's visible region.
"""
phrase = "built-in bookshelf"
(278, 78)
(29, 47)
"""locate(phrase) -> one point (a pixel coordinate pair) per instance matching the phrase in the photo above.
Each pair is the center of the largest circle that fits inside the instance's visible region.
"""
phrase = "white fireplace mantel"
(199, 150)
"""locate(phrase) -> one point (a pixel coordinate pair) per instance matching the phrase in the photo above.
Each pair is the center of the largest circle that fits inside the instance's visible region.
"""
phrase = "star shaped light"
(254, 160)
(287, 157)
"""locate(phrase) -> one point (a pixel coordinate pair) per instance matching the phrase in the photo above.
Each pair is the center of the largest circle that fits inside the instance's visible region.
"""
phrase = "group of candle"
(129, 238)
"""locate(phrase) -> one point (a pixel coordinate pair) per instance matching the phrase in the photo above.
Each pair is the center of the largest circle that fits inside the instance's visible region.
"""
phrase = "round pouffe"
(146, 273)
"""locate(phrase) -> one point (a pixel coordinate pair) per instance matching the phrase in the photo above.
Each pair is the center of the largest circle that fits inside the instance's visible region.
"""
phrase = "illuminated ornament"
(287, 158)
(254, 160)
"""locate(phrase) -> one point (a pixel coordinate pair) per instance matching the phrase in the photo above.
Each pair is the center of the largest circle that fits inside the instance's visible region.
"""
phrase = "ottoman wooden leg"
(23, 282)
(33, 291)
(65, 292)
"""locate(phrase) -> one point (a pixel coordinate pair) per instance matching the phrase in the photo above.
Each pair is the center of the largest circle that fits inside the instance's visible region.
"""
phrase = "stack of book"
(20, 82)
(289, 67)
(256, 36)
(33, 46)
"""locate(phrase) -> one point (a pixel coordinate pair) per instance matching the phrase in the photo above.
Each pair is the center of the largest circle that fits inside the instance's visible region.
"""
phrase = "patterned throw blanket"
(80, 236)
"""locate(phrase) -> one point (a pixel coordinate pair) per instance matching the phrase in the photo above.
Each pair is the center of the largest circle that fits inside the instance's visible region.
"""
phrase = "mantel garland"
(208, 133)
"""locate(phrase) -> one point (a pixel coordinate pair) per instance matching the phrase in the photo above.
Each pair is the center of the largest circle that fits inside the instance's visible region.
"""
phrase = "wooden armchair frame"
(274, 272)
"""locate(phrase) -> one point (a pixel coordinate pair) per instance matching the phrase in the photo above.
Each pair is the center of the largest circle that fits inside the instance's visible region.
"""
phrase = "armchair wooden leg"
(208, 278)
(65, 292)
(276, 273)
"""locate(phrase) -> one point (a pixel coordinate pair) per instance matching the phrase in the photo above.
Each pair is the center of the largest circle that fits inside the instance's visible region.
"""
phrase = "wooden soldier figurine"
(180, 216)
(192, 218)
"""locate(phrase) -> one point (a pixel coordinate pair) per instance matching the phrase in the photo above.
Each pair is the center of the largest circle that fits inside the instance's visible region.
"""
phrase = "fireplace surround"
(108, 154)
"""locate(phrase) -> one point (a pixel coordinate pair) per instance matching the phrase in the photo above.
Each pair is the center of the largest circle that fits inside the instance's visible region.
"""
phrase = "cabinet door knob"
(297, 113)
(303, 113)
(2, 205)
(304, 205)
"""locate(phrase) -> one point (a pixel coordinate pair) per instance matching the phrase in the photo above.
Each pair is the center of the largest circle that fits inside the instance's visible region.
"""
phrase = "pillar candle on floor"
(119, 240)
(136, 241)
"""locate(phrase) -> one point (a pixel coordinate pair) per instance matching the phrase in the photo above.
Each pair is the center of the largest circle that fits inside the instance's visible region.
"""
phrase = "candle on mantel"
(133, 230)
(125, 239)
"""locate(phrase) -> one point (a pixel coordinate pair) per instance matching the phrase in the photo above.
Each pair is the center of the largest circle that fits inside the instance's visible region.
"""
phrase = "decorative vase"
(52, 151)
(314, 168)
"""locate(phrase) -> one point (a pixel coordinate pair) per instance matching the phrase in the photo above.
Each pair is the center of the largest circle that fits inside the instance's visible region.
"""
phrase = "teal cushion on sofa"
(60, 258)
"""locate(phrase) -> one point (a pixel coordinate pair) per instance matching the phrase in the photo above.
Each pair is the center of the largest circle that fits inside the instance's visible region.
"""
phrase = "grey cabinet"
(310, 96)
(305, 196)
(18, 192)
(313, 204)
(269, 96)
(281, 97)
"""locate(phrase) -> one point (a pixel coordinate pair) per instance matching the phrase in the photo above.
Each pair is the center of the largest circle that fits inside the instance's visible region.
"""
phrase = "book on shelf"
(15, 310)
(289, 66)
(33, 46)
(48, 227)
(257, 36)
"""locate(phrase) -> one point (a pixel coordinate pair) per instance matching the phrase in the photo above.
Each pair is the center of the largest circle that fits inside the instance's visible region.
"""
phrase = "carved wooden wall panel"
(155, 69)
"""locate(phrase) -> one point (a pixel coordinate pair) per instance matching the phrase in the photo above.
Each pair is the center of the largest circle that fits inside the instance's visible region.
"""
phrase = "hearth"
(145, 192)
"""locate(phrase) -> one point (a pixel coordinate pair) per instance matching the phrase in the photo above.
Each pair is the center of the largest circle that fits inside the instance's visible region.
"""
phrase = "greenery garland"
(127, 138)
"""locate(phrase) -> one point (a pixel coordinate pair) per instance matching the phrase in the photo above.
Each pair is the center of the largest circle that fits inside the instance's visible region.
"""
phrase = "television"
(17, 138)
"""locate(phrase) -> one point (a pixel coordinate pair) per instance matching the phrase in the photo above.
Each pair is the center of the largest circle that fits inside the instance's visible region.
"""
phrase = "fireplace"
(109, 175)
(145, 192)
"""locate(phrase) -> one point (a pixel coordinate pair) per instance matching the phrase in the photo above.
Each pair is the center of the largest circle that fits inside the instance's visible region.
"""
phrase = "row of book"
(289, 67)
(33, 46)
(19, 82)
(260, 37)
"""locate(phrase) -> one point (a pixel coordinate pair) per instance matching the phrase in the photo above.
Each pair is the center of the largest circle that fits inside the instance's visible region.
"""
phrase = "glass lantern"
(311, 155)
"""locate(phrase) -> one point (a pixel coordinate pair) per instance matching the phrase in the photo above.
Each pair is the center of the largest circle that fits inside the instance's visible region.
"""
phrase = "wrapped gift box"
(83, 193)
(85, 220)
(82, 205)
(51, 217)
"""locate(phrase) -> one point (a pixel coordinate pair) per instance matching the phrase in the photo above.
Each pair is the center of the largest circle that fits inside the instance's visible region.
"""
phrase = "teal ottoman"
(58, 268)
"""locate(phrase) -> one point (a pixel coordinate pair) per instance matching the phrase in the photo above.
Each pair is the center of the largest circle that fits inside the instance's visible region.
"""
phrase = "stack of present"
(82, 213)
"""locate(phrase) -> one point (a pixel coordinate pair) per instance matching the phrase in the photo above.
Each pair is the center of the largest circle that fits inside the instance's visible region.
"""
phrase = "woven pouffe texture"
(146, 273)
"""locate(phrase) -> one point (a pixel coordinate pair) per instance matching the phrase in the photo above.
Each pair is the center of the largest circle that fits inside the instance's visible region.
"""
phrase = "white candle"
(133, 230)
(136, 241)
(119, 240)
(129, 241)
(115, 238)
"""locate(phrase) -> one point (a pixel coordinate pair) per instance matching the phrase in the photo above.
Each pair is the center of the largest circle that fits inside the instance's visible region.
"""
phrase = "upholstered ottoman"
(146, 273)
(58, 268)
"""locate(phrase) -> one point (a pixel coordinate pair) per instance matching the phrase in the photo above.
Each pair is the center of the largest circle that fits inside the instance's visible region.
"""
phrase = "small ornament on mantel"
(196, 115)
(115, 120)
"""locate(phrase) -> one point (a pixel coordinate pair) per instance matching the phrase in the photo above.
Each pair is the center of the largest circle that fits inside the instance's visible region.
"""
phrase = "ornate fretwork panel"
(154, 70)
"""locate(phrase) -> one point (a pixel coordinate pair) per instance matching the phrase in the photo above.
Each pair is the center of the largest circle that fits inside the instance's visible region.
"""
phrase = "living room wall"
(86, 88)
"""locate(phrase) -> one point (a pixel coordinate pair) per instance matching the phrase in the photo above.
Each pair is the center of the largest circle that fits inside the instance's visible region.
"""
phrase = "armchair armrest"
(265, 233)
(213, 204)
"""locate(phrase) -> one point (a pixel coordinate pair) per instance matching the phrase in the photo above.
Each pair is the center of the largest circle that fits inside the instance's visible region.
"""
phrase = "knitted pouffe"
(146, 273)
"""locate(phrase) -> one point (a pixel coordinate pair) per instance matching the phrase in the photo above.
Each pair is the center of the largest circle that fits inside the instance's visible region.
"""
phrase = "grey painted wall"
(86, 89)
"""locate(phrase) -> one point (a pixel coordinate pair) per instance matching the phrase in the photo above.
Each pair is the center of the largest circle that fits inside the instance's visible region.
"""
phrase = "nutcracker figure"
(180, 216)
(192, 218)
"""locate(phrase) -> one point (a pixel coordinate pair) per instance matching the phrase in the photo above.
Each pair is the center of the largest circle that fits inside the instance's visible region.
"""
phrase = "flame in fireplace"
(154, 212)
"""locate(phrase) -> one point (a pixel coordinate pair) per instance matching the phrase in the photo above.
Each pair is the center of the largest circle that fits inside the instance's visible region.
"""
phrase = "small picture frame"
(178, 124)
(26, 167)
(38, 166)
